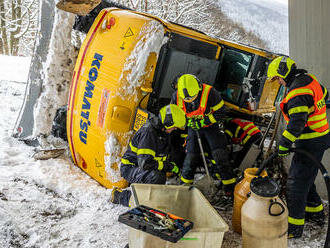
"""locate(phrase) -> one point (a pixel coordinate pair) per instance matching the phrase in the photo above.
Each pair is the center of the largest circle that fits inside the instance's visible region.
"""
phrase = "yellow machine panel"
(99, 115)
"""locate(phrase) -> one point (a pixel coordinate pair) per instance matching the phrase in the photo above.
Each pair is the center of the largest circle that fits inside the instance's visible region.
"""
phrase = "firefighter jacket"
(240, 131)
(149, 147)
(208, 105)
(304, 110)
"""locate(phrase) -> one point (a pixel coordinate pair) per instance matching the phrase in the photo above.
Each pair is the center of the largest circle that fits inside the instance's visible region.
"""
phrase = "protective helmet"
(172, 116)
(280, 67)
(188, 86)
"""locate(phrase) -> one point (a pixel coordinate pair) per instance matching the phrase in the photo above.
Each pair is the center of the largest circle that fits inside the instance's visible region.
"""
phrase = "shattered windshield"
(234, 66)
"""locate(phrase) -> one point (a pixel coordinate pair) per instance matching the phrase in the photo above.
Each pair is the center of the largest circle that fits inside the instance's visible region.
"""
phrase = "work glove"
(171, 167)
(283, 151)
(284, 147)
(196, 124)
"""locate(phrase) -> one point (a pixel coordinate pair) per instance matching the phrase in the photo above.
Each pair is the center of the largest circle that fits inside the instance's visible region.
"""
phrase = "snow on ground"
(20, 66)
(52, 203)
(268, 19)
(48, 203)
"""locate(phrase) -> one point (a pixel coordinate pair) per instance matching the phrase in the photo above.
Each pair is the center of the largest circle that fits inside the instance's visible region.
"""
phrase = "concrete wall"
(309, 43)
(326, 162)
(309, 36)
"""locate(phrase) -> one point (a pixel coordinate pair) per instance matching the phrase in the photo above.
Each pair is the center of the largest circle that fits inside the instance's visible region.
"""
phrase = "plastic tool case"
(163, 225)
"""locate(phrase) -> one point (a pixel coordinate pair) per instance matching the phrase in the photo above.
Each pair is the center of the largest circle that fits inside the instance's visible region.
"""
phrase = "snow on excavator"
(125, 69)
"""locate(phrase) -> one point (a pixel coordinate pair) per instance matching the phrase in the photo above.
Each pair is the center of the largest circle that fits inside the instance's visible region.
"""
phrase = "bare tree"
(18, 24)
(202, 15)
(3, 26)
(180, 11)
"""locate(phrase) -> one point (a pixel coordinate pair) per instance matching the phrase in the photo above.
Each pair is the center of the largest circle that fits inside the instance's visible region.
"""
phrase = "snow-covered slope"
(18, 65)
(49, 203)
(268, 19)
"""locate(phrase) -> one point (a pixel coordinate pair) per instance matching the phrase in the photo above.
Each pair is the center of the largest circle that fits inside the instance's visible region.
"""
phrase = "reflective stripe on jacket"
(240, 131)
(148, 149)
(208, 105)
(317, 119)
(202, 104)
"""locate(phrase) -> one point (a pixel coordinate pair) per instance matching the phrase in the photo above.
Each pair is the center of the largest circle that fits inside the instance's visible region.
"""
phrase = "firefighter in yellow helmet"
(147, 159)
(204, 109)
(304, 109)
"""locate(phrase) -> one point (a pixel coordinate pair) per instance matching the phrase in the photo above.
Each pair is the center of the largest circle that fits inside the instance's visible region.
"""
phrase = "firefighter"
(204, 108)
(243, 133)
(304, 110)
(147, 157)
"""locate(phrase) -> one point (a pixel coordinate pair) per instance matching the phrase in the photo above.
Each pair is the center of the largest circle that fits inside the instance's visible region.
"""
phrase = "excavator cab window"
(181, 55)
(241, 76)
(234, 67)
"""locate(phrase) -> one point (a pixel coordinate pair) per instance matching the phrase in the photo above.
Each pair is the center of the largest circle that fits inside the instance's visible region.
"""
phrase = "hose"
(319, 165)
(265, 163)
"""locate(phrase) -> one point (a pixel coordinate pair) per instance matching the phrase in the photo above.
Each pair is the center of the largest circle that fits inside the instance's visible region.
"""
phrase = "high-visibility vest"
(202, 105)
(248, 128)
(317, 118)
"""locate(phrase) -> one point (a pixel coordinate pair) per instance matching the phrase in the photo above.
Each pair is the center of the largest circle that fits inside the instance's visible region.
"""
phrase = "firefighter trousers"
(217, 144)
(134, 174)
(301, 191)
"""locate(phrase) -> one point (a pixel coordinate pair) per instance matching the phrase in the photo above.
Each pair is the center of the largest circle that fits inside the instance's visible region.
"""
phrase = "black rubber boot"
(314, 208)
(317, 218)
(295, 231)
(190, 164)
(227, 175)
(229, 189)
(121, 197)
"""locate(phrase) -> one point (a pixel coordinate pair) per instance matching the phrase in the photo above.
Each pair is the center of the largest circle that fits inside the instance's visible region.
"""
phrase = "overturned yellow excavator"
(125, 69)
